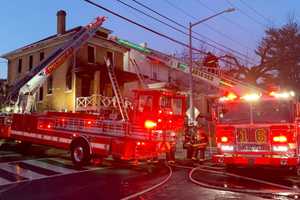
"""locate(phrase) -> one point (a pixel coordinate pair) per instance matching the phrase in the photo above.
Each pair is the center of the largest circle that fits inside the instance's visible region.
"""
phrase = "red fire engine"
(139, 132)
(256, 129)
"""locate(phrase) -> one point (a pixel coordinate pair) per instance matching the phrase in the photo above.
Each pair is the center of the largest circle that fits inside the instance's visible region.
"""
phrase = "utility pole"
(191, 25)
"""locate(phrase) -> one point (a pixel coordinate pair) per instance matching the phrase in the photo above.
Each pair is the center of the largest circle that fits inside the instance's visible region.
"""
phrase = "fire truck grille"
(252, 139)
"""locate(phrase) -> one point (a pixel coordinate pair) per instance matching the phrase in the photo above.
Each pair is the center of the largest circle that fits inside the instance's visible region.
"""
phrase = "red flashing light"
(149, 124)
(89, 122)
(49, 126)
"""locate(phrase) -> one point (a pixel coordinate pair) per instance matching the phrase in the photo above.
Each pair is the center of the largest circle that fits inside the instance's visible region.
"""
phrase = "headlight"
(227, 147)
(280, 148)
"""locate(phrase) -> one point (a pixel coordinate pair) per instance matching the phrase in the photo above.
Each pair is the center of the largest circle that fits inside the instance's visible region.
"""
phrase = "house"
(82, 75)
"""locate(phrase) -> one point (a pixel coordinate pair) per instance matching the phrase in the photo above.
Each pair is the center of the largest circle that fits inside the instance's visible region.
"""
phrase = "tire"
(297, 171)
(23, 147)
(80, 153)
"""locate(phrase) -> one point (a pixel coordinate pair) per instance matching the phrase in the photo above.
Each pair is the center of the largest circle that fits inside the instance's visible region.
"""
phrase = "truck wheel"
(23, 147)
(297, 170)
(80, 153)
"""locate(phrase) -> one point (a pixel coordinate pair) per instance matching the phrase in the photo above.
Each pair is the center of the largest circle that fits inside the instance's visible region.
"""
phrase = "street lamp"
(191, 25)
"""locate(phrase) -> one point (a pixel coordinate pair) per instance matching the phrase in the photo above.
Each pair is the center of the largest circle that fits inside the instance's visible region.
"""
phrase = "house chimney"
(61, 22)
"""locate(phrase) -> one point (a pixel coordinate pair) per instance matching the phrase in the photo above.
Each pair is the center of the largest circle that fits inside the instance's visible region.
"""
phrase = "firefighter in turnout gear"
(211, 62)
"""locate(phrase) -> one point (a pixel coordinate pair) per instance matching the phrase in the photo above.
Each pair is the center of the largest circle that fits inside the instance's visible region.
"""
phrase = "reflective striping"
(47, 165)
(99, 146)
(17, 170)
(42, 136)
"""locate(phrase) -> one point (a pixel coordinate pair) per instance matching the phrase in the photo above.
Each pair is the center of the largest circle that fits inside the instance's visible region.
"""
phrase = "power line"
(256, 11)
(185, 27)
(147, 28)
(210, 27)
(247, 15)
(179, 30)
(225, 18)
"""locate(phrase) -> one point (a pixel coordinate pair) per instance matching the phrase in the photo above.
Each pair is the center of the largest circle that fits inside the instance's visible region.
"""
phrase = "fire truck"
(141, 131)
(258, 129)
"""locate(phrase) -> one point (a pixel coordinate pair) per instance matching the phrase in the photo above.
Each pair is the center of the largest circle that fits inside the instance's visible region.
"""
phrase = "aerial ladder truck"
(214, 77)
(142, 132)
(254, 127)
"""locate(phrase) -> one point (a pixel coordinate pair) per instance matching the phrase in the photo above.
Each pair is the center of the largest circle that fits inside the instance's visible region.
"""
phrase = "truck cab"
(257, 130)
(160, 108)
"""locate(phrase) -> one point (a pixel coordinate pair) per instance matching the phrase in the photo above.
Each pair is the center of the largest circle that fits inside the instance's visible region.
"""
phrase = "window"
(50, 85)
(30, 62)
(20, 65)
(145, 103)
(41, 94)
(69, 79)
(42, 56)
(110, 56)
(91, 54)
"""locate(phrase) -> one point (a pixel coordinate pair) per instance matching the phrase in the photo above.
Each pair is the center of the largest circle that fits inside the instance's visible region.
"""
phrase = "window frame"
(30, 64)
(50, 80)
(20, 65)
(94, 54)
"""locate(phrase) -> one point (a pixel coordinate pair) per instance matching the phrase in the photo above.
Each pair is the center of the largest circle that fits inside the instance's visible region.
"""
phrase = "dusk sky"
(24, 22)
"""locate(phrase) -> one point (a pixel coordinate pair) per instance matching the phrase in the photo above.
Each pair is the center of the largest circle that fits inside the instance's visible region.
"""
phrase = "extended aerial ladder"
(26, 87)
(218, 80)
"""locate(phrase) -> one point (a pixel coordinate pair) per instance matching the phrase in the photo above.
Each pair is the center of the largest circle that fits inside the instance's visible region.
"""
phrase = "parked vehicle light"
(280, 148)
(224, 139)
(227, 147)
(280, 138)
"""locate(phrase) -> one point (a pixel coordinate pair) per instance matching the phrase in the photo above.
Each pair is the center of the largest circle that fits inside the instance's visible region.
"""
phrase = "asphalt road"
(46, 173)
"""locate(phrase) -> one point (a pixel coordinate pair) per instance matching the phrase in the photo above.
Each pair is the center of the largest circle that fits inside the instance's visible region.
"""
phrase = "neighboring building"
(81, 76)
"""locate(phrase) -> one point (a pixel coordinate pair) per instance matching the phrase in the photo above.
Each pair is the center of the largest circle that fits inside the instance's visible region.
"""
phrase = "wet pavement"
(46, 173)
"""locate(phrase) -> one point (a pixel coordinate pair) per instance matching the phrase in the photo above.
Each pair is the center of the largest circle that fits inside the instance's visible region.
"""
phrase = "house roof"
(49, 40)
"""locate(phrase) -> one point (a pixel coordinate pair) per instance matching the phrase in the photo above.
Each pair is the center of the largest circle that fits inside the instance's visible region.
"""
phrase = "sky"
(24, 22)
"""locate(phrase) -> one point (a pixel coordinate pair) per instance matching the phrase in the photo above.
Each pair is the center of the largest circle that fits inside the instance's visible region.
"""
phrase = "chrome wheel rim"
(78, 154)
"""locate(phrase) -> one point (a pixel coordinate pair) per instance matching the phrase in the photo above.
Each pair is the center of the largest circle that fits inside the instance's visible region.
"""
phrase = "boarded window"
(30, 62)
(41, 93)
(69, 79)
(50, 85)
(110, 56)
(42, 56)
(20, 65)
(91, 54)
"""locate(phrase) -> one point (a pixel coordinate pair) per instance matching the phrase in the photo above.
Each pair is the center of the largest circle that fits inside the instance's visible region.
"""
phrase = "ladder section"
(138, 73)
(218, 80)
(116, 88)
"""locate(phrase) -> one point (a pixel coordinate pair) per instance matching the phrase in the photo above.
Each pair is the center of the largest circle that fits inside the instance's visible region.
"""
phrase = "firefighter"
(203, 142)
(211, 62)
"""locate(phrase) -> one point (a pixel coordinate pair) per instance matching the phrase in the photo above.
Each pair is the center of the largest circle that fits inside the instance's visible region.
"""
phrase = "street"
(45, 173)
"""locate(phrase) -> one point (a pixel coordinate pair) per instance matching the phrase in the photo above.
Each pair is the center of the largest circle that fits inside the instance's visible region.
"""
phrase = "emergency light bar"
(283, 94)
(251, 97)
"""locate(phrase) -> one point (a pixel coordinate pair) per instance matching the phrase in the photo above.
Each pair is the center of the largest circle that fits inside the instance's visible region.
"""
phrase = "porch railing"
(98, 102)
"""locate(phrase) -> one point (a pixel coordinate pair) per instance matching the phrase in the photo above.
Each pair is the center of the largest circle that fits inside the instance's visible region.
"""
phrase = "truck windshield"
(234, 112)
(272, 112)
